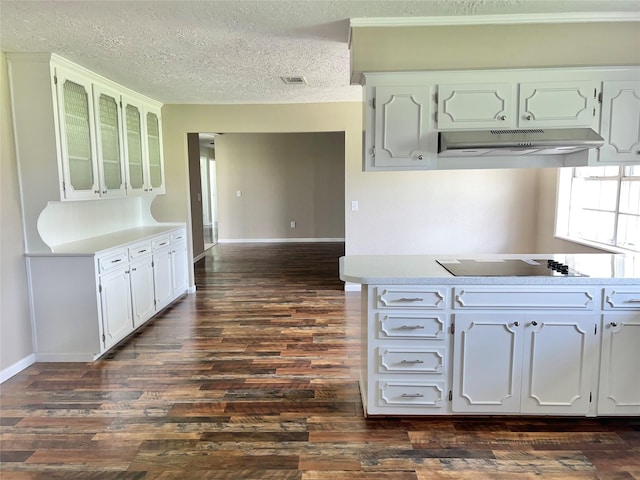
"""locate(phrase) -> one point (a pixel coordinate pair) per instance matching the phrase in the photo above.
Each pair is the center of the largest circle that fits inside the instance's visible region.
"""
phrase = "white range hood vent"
(479, 143)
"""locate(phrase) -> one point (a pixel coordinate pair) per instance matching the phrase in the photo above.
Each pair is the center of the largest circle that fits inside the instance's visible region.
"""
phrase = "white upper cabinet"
(476, 106)
(401, 125)
(155, 162)
(109, 141)
(620, 124)
(76, 135)
(557, 104)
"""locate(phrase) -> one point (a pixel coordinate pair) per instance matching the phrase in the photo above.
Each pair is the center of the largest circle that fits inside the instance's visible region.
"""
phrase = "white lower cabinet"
(84, 304)
(523, 362)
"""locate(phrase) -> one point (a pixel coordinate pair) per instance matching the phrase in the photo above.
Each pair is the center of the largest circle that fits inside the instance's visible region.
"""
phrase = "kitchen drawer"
(423, 394)
(426, 326)
(420, 360)
(622, 298)
(178, 236)
(139, 250)
(409, 297)
(113, 260)
(529, 297)
(160, 242)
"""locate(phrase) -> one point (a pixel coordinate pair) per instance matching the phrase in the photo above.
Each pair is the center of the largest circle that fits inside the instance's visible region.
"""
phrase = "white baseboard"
(279, 240)
(17, 367)
(195, 259)
(191, 290)
(352, 287)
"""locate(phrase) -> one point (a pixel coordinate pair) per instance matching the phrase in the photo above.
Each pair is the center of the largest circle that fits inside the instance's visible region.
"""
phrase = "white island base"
(437, 344)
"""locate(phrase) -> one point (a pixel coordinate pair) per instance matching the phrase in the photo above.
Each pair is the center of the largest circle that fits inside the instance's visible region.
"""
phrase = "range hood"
(553, 141)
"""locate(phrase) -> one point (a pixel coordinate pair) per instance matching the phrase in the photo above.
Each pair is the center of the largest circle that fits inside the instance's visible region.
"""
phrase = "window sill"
(599, 246)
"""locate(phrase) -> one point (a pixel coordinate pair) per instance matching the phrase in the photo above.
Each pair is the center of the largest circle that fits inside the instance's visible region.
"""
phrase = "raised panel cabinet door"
(559, 354)
(154, 152)
(115, 299)
(487, 362)
(401, 126)
(620, 122)
(109, 140)
(142, 291)
(134, 153)
(162, 277)
(76, 135)
(475, 106)
(179, 269)
(619, 390)
(557, 104)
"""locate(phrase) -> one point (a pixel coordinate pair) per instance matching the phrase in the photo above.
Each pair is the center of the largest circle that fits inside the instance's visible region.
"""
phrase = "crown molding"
(581, 17)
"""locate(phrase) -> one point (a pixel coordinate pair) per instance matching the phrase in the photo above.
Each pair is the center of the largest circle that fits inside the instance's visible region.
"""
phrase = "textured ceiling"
(230, 51)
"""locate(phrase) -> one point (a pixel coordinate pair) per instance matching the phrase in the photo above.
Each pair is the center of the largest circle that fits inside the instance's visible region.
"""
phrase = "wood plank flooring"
(254, 377)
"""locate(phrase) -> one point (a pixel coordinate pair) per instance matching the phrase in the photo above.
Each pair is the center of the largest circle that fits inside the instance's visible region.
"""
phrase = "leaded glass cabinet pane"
(110, 148)
(153, 140)
(76, 117)
(134, 147)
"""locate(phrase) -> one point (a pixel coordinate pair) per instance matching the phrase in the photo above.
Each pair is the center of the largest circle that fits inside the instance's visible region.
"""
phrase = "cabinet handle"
(104, 192)
(412, 361)
(134, 270)
(633, 300)
(528, 117)
(97, 191)
(412, 327)
(502, 117)
(116, 261)
(614, 324)
(163, 244)
(412, 395)
(516, 324)
(534, 323)
(420, 157)
(416, 299)
(142, 251)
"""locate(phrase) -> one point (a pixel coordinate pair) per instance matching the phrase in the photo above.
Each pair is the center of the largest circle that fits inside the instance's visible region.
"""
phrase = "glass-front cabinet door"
(109, 140)
(136, 181)
(154, 151)
(77, 134)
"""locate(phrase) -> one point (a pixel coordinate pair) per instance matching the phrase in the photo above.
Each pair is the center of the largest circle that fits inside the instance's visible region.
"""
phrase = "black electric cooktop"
(509, 268)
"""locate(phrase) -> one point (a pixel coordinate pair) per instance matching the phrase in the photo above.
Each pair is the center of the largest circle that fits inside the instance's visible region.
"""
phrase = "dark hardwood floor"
(255, 377)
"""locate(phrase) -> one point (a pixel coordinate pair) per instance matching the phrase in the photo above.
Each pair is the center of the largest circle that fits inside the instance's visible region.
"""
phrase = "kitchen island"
(553, 343)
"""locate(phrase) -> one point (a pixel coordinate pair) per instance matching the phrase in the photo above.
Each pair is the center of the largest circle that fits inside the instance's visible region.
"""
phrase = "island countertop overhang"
(600, 268)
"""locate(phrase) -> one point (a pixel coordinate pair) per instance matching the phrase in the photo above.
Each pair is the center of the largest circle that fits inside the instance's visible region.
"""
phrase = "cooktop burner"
(509, 268)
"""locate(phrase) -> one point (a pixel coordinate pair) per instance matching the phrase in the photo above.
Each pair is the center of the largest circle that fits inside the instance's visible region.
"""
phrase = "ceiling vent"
(294, 80)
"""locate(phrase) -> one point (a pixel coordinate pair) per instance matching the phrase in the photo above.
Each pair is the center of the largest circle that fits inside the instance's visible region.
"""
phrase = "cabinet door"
(77, 135)
(134, 153)
(401, 126)
(142, 291)
(559, 350)
(619, 391)
(487, 362)
(162, 277)
(476, 106)
(620, 124)
(115, 299)
(109, 140)
(179, 268)
(557, 104)
(154, 151)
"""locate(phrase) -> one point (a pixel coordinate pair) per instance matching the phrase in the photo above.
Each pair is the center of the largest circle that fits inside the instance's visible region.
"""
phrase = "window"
(600, 206)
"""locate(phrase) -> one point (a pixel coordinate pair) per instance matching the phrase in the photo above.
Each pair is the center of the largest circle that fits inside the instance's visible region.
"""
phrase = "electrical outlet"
(238, 193)
(293, 224)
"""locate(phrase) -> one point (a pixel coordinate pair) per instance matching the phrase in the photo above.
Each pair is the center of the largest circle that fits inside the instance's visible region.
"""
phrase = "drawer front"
(409, 297)
(411, 325)
(622, 298)
(424, 394)
(421, 360)
(139, 250)
(160, 242)
(113, 260)
(178, 236)
(478, 297)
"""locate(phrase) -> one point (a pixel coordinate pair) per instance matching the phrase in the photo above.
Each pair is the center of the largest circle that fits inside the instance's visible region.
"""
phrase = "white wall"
(16, 347)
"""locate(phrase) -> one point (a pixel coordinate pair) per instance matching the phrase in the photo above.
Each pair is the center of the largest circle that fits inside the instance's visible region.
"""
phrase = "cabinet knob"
(97, 191)
(614, 324)
(502, 117)
(534, 323)
(516, 324)
(420, 157)
(528, 117)
(104, 192)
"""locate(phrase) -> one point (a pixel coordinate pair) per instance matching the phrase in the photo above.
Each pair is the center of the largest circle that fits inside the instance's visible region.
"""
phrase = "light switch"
(239, 193)
(354, 205)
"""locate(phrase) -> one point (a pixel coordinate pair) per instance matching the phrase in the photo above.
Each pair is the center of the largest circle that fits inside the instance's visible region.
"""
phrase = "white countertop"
(94, 245)
(600, 268)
